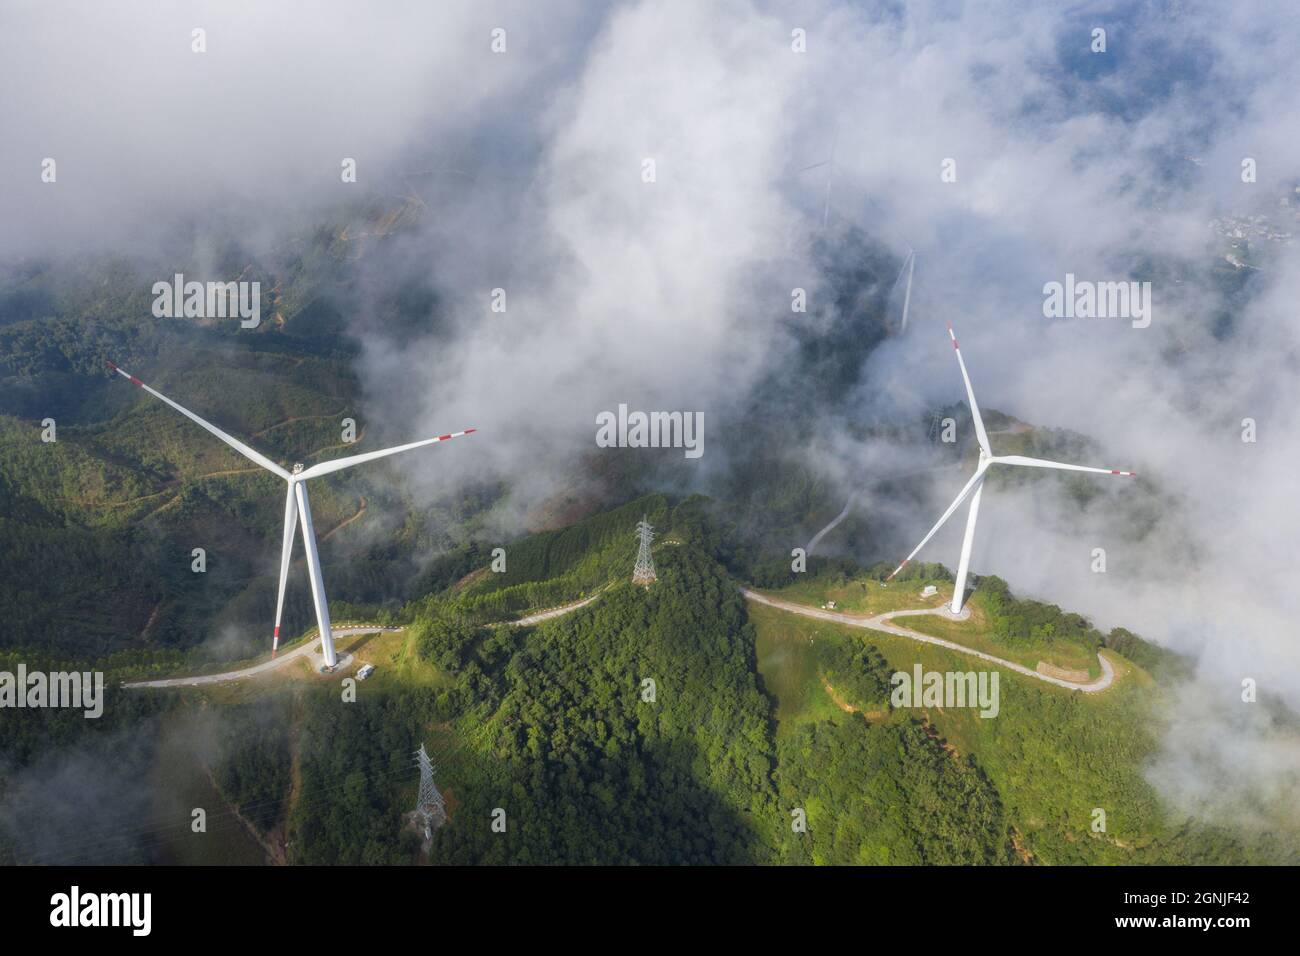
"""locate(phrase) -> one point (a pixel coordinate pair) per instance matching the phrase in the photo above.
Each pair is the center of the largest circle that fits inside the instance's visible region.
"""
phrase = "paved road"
(881, 623)
(268, 665)
(553, 612)
(308, 646)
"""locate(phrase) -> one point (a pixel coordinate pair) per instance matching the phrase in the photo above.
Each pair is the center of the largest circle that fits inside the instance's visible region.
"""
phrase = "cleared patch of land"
(883, 623)
(865, 598)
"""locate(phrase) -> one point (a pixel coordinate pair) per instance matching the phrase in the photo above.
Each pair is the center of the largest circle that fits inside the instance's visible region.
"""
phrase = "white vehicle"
(365, 671)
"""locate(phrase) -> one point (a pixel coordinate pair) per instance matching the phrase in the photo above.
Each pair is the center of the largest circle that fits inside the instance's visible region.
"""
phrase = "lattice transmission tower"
(644, 572)
(429, 806)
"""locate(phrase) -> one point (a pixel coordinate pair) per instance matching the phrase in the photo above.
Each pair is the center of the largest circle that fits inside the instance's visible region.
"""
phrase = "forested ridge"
(550, 726)
(644, 728)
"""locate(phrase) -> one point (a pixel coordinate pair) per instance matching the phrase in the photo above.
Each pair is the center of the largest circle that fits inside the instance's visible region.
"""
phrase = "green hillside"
(100, 524)
(759, 720)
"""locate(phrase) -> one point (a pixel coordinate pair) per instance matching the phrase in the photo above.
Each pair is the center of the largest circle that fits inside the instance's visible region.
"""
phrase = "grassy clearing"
(785, 647)
(1055, 756)
(974, 634)
(397, 666)
(864, 595)
(397, 661)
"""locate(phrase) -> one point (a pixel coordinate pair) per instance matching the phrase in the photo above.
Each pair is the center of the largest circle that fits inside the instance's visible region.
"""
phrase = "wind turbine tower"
(830, 174)
(975, 486)
(907, 295)
(296, 506)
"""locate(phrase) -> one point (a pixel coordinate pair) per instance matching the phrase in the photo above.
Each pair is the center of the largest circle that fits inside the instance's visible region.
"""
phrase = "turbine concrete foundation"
(343, 661)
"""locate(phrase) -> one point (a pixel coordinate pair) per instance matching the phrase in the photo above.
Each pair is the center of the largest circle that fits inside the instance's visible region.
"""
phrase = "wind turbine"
(910, 265)
(296, 506)
(975, 486)
(830, 173)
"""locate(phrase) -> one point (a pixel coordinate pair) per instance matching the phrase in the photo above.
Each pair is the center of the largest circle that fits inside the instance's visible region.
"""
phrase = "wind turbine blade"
(1044, 463)
(314, 574)
(907, 296)
(971, 485)
(901, 269)
(830, 173)
(325, 467)
(234, 443)
(286, 551)
(980, 434)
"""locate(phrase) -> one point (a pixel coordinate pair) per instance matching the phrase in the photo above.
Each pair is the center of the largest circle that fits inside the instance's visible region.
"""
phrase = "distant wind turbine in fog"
(976, 486)
(830, 173)
(296, 506)
(909, 265)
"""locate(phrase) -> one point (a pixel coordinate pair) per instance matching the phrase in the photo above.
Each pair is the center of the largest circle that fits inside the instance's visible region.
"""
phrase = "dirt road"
(306, 647)
(881, 622)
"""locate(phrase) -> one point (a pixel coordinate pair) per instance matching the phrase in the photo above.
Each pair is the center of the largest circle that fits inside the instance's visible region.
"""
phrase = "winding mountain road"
(308, 646)
(540, 616)
(303, 649)
(881, 622)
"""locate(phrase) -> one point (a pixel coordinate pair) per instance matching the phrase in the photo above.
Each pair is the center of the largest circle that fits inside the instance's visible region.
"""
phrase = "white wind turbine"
(296, 505)
(976, 485)
(830, 174)
(909, 266)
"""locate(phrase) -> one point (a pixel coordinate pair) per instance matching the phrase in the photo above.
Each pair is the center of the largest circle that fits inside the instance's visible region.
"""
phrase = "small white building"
(929, 591)
(366, 671)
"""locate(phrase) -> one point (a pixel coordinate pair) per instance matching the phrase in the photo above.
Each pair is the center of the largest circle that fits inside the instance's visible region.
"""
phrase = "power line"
(155, 836)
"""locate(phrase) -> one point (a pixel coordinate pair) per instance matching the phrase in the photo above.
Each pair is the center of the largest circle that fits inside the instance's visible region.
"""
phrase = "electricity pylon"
(644, 573)
(429, 806)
